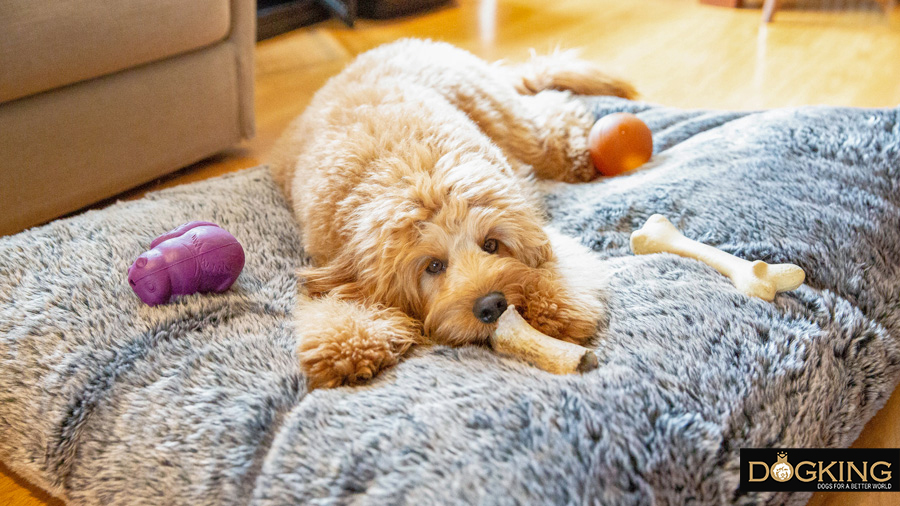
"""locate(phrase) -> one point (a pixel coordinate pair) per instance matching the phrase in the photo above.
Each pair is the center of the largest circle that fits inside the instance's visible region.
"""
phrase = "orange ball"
(619, 143)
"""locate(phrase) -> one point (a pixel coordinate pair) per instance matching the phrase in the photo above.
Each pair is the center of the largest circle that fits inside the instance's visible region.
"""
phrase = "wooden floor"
(677, 53)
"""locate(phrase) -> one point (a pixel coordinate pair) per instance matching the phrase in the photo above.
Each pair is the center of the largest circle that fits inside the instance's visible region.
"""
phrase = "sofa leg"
(769, 8)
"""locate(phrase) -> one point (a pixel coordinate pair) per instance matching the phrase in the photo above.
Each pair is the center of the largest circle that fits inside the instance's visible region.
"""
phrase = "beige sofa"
(98, 97)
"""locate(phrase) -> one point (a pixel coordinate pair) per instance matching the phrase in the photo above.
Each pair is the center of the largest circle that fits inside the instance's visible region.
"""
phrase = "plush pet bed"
(104, 400)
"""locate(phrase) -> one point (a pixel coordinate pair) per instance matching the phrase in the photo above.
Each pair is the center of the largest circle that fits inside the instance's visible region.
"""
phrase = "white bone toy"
(514, 336)
(756, 279)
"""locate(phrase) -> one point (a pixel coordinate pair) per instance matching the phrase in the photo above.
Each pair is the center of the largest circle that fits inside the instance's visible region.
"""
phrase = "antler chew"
(514, 336)
(756, 279)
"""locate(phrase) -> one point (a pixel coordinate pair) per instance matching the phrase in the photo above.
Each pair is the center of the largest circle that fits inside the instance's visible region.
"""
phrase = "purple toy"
(196, 257)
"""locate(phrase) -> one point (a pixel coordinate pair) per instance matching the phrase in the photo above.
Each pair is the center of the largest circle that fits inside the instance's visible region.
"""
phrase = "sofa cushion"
(51, 44)
(72, 146)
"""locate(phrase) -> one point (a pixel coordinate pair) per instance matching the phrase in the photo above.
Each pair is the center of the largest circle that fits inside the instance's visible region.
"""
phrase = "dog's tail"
(565, 71)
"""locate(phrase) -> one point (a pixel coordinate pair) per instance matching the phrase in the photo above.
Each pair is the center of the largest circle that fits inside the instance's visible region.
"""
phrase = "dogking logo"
(811, 469)
(782, 471)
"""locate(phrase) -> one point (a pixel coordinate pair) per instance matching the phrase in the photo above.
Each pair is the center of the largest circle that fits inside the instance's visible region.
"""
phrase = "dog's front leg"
(344, 342)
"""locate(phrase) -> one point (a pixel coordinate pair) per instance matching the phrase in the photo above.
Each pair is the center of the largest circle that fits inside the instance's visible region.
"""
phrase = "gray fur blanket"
(104, 400)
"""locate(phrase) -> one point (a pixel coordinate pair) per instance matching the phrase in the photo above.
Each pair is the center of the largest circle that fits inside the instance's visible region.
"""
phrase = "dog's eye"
(490, 245)
(435, 267)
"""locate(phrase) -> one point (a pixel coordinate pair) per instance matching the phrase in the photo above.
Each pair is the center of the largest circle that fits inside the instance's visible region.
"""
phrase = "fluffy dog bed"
(104, 400)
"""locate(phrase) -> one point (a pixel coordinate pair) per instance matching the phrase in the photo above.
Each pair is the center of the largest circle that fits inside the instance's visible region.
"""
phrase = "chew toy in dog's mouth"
(514, 336)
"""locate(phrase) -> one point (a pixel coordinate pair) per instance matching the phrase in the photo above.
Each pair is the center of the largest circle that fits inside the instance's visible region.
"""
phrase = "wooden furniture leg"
(769, 8)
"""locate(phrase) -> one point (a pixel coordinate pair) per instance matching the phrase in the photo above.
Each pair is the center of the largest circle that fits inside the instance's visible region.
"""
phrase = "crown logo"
(782, 471)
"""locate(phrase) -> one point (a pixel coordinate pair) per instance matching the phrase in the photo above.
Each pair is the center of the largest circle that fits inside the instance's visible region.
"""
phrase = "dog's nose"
(490, 307)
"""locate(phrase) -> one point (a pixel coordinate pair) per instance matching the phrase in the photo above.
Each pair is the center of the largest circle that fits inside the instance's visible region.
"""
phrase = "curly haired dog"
(412, 174)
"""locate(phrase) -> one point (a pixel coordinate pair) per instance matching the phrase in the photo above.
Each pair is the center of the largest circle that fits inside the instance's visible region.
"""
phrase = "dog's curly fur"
(411, 173)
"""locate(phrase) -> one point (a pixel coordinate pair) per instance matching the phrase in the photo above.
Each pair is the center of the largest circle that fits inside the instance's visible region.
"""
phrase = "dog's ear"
(337, 278)
(545, 253)
(536, 246)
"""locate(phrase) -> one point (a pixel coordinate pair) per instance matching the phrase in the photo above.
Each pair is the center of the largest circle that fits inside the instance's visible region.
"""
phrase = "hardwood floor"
(677, 52)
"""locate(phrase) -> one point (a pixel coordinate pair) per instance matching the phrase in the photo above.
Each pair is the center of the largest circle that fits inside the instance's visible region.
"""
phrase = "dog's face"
(453, 253)
(468, 262)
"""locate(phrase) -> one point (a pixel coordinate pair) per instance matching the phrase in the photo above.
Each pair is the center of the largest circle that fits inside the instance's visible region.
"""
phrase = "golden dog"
(412, 175)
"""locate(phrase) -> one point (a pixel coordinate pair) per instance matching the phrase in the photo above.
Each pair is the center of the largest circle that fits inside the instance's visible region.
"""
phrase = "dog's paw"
(348, 355)
(582, 169)
(345, 343)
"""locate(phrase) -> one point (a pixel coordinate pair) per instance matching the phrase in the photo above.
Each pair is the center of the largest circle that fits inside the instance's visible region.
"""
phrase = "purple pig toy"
(196, 257)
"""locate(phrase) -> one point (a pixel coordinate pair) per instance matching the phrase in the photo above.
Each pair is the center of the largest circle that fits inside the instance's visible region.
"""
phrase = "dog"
(413, 176)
